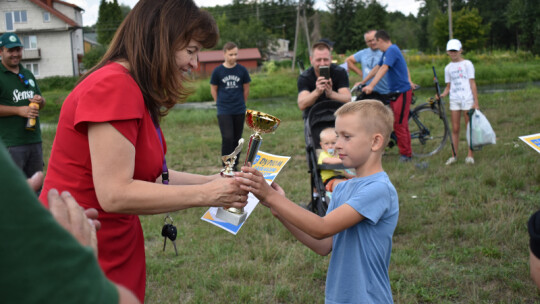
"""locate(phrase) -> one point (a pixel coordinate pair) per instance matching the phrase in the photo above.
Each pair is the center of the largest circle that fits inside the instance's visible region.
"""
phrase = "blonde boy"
(331, 178)
(362, 214)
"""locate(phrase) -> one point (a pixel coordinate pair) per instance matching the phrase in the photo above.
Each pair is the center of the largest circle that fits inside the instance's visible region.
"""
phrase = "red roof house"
(209, 60)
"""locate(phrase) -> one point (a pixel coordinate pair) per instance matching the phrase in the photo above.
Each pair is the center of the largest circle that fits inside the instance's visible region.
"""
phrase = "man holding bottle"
(20, 102)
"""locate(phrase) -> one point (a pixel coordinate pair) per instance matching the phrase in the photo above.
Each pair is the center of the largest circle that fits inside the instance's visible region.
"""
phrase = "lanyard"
(164, 169)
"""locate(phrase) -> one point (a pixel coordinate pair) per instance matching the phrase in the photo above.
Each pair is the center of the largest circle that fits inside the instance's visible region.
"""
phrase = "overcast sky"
(91, 7)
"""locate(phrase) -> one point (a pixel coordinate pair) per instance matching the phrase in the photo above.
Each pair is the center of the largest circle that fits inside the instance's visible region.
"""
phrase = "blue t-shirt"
(358, 270)
(397, 75)
(230, 95)
(369, 59)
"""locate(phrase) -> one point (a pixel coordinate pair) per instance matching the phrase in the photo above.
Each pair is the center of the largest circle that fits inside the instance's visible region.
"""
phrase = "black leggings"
(231, 127)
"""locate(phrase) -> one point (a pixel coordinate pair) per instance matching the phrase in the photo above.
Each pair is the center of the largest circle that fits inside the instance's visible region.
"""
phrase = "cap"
(10, 40)
(453, 45)
(321, 43)
(327, 41)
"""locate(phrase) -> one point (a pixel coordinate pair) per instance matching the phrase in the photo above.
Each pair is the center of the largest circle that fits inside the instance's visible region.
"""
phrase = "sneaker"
(452, 160)
(404, 159)
(469, 160)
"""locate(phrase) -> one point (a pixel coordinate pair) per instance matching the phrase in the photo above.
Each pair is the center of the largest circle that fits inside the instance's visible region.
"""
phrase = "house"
(51, 31)
(209, 60)
(279, 50)
(90, 41)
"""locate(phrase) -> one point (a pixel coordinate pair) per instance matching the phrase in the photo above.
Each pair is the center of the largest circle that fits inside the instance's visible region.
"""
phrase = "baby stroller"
(320, 116)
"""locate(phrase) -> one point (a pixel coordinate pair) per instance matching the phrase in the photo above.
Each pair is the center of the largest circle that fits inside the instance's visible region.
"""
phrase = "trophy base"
(229, 217)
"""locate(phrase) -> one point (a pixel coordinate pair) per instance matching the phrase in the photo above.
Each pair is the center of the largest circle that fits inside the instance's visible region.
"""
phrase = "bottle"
(31, 122)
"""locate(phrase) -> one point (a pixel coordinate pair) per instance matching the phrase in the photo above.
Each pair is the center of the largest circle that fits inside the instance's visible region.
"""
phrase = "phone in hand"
(324, 71)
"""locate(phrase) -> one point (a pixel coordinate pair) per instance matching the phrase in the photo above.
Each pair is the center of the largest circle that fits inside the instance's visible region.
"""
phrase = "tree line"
(481, 25)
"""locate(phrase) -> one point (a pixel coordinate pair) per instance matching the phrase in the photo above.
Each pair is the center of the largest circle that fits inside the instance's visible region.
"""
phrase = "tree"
(109, 18)
(522, 19)
(468, 28)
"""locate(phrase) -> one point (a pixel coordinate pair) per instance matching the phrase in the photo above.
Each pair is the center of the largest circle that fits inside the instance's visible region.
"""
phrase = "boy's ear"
(377, 142)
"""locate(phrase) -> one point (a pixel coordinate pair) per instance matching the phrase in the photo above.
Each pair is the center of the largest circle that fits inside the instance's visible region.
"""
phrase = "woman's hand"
(228, 192)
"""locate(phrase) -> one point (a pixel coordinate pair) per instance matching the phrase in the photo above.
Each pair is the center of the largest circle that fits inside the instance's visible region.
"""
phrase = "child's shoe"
(452, 160)
(469, 160)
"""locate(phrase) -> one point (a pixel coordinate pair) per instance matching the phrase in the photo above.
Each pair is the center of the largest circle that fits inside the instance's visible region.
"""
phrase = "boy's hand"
(253, 181)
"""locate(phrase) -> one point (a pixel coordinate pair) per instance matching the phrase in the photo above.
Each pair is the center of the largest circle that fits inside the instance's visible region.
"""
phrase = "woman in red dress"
(109, 150)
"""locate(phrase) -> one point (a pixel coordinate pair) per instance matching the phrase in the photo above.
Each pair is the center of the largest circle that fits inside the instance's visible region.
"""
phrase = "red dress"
(108, 95)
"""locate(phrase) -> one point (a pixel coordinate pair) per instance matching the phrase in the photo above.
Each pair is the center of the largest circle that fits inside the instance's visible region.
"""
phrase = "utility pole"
(450, 34)
(296, 35)
(306, 29)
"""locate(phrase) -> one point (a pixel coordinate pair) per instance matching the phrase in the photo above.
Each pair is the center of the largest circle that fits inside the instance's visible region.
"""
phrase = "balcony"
(31, 54)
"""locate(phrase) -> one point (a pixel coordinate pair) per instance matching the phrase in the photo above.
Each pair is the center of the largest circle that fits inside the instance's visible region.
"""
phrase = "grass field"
(461, 235)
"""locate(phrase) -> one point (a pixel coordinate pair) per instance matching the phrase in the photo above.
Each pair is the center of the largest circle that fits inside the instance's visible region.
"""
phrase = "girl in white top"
(460, 84)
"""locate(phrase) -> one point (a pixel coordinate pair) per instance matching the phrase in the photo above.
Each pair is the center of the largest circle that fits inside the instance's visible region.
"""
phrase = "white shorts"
(461, 105)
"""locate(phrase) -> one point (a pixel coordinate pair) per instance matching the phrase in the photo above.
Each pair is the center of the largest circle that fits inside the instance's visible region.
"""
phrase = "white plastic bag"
(479, 131)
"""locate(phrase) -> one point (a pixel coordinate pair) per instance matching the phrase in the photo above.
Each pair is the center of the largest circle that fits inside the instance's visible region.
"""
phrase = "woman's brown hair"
(148, 39)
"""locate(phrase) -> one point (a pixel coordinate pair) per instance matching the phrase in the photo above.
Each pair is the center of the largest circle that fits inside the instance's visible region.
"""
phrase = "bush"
(57, 83)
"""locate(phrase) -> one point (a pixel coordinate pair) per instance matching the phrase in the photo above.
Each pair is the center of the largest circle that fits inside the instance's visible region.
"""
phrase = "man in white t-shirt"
(460, 84)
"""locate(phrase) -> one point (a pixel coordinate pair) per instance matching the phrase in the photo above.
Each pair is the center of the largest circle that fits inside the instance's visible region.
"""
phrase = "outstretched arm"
(314, 231)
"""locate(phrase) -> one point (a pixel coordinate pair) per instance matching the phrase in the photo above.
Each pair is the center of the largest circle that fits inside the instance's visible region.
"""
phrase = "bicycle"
(428, 125)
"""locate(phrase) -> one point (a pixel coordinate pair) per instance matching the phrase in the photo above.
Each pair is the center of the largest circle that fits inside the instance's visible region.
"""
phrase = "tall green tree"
(467, 27)
(109, 18)
(523, 19)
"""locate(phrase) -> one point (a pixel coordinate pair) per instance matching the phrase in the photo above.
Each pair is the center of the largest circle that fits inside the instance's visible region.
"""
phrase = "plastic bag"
(479, 131)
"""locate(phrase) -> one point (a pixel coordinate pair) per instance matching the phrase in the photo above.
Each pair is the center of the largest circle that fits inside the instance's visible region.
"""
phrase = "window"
(9, 22)
(29, 42)
(33, 67)
(15, 17)
(46, 17)
(19, 16)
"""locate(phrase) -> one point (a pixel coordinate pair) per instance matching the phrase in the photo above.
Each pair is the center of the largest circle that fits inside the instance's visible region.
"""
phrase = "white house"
(51, 31)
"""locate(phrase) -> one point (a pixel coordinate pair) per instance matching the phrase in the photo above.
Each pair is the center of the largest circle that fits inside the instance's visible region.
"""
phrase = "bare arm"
(474, 93)
(446, 90)
(246, 92)
(351, 65)
(371, 74)
(314, 231)
(381, 71)
(113, 164)
(213, 91)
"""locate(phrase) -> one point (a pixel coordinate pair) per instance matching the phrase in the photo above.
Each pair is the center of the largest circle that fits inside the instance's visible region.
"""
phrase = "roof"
(243, 54)
(66, 19)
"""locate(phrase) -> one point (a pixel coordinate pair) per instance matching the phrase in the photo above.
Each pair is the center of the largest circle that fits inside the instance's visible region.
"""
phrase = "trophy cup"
(234, 216)
(260, 123)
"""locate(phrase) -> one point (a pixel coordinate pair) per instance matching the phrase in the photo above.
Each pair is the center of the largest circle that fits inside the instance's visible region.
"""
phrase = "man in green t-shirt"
(18, 89)
(40, 261)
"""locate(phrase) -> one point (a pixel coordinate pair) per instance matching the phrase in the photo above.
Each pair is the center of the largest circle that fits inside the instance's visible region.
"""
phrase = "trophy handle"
(255, 142)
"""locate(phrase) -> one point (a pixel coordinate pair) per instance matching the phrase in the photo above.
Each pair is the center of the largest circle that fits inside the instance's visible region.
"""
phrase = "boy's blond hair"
(376, 117)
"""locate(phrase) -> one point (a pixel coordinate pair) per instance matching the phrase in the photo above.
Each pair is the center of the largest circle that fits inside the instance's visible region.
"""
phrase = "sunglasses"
(23, 80)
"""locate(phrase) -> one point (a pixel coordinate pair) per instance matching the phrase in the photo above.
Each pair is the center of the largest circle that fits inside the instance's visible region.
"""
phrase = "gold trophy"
(260, 123)
(234, 216)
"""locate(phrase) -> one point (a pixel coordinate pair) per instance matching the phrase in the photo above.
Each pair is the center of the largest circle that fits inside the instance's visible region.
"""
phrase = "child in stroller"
(331, 178)
(320, 117)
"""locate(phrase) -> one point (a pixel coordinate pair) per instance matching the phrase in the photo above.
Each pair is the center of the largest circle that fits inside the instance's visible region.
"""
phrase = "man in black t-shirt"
(313, 88)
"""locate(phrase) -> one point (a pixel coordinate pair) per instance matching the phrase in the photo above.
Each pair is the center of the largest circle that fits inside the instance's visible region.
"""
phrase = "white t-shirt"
(459, 74)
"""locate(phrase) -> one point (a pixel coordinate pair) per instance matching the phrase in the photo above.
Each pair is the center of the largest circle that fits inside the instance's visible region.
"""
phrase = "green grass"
(461, 235)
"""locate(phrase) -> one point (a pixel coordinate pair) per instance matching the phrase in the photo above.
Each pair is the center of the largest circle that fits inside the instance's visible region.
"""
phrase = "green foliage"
(92, 57)
(57, 83)
(467, 27)
(247, 33)
(109, 18)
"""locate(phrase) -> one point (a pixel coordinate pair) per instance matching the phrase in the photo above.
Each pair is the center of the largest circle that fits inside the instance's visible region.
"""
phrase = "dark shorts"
(28, 157)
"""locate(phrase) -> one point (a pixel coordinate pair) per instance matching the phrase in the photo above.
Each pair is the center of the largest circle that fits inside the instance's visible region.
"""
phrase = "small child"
(331, 178)
(460, 84)
(362, 214)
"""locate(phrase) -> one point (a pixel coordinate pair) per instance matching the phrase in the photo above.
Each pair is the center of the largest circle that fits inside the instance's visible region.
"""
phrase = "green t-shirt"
(40, 262)
(15, 91)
